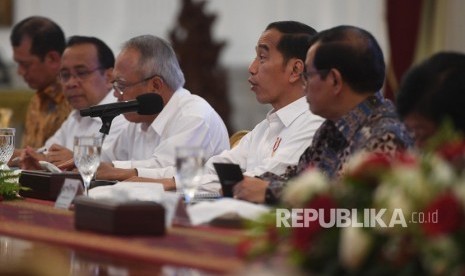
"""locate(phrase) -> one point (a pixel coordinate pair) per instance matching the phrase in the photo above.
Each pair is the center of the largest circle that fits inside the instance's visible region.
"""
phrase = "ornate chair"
(236, 137)
(5, 116)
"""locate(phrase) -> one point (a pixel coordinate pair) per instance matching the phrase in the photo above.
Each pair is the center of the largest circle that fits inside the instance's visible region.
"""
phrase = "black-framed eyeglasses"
(308, 74)
(80, 73)
(120, 88)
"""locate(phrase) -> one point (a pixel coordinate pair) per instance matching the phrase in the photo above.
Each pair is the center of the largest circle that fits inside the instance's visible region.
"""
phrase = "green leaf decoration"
(9, 186)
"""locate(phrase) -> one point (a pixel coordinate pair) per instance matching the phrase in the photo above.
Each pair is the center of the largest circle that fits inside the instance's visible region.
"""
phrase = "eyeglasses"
(80, 73)
(122, 87)
(308, 74)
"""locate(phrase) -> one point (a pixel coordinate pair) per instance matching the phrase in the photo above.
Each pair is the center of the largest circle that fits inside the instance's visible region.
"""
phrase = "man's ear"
(109, 73)
(337, 80)
(53, 58)
(157, 83)
(109, 77)
(298, 67)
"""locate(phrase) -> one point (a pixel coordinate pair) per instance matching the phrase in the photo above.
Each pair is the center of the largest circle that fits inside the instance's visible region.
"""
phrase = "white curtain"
(441, 28)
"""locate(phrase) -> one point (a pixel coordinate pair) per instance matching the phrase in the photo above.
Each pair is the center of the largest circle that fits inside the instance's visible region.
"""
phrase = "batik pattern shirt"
(372, 126)
(47, 110)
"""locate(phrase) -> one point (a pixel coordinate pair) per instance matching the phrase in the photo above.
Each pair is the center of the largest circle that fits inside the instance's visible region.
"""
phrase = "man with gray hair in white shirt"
(148, 64)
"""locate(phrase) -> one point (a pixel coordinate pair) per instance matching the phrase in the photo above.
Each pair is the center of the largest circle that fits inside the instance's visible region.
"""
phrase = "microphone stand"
(106, 124)
(105, 129)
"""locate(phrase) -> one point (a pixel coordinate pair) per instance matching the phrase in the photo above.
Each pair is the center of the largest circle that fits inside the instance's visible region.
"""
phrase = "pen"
(39, 150)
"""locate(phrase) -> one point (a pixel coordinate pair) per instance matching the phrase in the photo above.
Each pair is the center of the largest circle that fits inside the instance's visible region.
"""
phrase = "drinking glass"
(7, 146)
(189, 168)
(87, 157)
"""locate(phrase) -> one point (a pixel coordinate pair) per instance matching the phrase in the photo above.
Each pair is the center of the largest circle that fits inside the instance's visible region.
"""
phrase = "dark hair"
(46, 35)
(435, 89)
(104, 53)
(295, 40)
(355, 53)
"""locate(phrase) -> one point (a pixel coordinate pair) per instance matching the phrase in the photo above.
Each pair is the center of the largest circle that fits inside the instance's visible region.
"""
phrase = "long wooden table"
(206, 249)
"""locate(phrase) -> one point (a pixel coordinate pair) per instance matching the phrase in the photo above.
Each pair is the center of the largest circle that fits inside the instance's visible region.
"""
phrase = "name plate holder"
(69, 190)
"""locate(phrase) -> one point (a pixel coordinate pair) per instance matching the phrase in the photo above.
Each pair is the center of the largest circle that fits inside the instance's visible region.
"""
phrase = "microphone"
(145, 104)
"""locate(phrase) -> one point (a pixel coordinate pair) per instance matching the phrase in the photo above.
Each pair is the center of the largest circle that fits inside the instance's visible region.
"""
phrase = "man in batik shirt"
(37, 45)
(345, 71)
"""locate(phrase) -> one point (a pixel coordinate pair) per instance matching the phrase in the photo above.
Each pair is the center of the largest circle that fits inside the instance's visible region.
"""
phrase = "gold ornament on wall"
(6, 13)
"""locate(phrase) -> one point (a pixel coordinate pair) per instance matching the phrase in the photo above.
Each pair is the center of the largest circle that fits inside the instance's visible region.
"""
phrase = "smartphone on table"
(229, 175)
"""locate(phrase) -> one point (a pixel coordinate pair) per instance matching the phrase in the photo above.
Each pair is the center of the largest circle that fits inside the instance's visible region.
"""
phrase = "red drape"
(403, 20)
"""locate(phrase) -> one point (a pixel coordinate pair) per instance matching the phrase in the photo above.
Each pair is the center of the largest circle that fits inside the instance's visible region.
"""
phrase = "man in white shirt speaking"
(148, 64)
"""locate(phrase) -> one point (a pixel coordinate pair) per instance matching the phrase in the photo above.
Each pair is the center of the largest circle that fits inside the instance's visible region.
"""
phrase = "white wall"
(455, 38)
(239, 22)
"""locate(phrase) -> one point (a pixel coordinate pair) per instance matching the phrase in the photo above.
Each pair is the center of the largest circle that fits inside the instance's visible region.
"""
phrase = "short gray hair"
(157, 57)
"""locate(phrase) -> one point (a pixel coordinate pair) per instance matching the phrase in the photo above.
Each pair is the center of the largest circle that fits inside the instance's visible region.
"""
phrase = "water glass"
(7, 146)
(189, 169)
(86, 152)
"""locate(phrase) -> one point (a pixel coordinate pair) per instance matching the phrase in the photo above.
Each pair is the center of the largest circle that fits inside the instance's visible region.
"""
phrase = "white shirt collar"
(169, 110)
(290, 112)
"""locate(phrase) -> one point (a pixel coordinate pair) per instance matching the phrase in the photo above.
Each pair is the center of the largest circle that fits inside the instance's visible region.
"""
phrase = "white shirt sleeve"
(190, 131)
(258, 152)
(65, 130)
